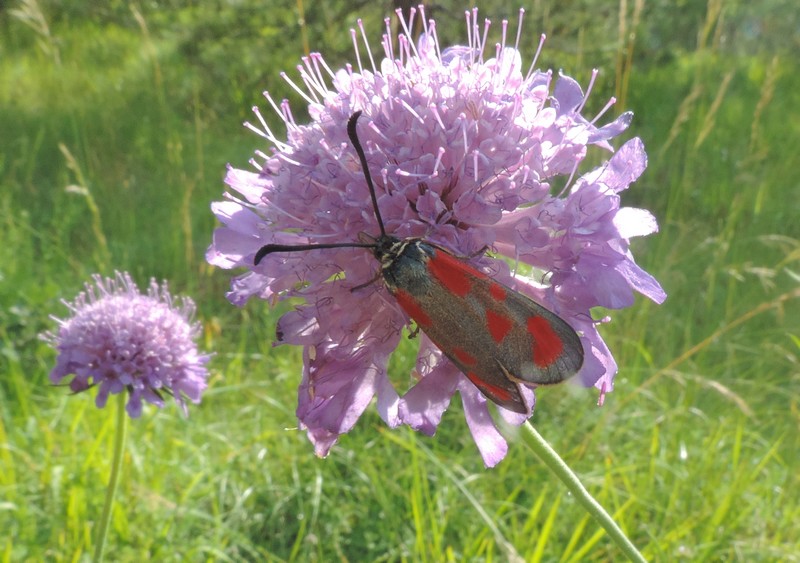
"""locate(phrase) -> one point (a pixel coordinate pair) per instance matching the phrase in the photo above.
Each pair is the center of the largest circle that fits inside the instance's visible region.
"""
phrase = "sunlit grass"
(695, 452)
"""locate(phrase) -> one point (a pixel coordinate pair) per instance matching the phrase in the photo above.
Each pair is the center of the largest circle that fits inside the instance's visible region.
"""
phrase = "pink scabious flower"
(122, 340)
(469, 152)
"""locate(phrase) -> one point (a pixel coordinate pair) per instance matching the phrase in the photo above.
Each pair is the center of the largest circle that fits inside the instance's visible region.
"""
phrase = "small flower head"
(469, 152)
(119, 339)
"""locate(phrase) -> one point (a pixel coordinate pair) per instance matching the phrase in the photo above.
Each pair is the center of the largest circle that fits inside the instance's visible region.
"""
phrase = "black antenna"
(270, 248)
(351, 132)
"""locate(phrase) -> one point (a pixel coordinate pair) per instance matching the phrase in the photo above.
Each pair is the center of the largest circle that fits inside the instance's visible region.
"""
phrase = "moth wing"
(540, 347)
(497, 337)
(529, 343)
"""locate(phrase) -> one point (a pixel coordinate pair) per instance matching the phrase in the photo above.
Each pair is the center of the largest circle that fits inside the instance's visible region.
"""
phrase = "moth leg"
(517, 381)
(466, 257)
(365, 284)
(512, 377)
(479, 252)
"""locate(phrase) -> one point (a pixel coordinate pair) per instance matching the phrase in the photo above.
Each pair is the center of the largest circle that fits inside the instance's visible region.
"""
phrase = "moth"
(498, 338)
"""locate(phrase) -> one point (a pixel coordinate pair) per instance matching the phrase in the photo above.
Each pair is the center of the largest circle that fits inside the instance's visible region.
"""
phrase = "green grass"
(116, 133)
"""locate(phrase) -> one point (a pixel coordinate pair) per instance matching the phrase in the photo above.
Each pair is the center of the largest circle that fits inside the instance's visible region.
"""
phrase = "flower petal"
(490, 442)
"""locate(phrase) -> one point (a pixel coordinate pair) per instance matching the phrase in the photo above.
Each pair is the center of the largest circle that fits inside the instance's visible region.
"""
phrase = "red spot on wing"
(491, 390)
(498, 292)
(413, 309)
(547, 345)
(463, 356)
(499, 326)
(452, 273)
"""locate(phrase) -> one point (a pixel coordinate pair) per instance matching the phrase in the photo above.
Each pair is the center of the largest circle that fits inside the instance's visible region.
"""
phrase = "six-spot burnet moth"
(496, 336)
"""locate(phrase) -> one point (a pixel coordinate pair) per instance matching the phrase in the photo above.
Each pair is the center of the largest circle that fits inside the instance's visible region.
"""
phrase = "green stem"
(548, 455)
(113, 480)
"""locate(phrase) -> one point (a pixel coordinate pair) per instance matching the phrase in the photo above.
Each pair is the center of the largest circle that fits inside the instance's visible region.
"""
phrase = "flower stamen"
(366, 44)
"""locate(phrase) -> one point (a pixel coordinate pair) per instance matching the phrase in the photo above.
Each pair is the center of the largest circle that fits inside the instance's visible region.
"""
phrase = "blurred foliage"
(234, 46)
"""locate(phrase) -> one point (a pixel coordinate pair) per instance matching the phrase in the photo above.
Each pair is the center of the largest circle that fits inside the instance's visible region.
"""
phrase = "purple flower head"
(122, 340)
(468, 151)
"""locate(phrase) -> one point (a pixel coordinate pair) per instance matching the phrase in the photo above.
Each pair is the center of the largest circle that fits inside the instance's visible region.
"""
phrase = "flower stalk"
(113, 481)
(560, 469)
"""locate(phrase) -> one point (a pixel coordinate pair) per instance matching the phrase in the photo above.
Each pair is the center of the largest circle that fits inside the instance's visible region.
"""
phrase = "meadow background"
(116, 122)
